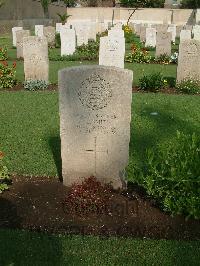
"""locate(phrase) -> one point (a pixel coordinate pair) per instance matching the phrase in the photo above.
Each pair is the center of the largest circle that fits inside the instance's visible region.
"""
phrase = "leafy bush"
(189, 86)
(34, 85)
(193, 4)
(3, 54)
(152, 82)
(138, 55)
(58, 41)
(128, 34)
(172, 176)
(7, 75)
(142, 3)
(89, 197)
(150, 48)
(163, 59)
(4, 176)
(88, 51)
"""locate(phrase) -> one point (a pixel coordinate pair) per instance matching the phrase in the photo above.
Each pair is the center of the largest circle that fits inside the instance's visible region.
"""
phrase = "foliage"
(138, 55)
(163, 59)
(58, 41)
(3, 54)
(172, 176)
(63, 17)
(35, 85)
(89, 197)
(7, 75)
(4, 176)
(88, 51)
(142, 3)
(189, 86)
(193, 4)
(128, 34)
(174, 58)
(45, 6)
(70, 3)
(153, 82)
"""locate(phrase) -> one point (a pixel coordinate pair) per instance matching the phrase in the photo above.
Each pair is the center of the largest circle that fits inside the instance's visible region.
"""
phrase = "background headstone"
(185, 35)
(163, 43)
(95, 132)
(189, 60)
(150, 37)
(172, 29)
(68, 41)
(50, 34)
(36, 62)
(39, 30)
(14, 30)
(112, 51)
(19, 41)
(143, 33)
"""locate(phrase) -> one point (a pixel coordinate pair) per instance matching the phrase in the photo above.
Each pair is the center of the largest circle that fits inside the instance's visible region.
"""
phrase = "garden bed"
(36, 204)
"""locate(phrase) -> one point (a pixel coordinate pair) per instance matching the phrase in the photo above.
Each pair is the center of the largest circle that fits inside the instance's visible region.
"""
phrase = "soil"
(37, 204)
(54, 87)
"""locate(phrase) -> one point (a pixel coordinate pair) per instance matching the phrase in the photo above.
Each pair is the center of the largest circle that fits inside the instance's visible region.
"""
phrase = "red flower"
(14, 65)
(5, 63)
(1, 155)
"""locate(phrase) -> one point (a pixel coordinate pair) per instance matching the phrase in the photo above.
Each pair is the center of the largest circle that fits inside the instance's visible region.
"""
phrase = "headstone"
(92, 31)
(137, 28)
(82, 35)
(116, 33)
(19, 41)
(95, 132)
(196, 32)
(179, 28)
(50, 33)
(163, 43)
(142, 33)
(14, 30)
(36, 62)
(189, 60)
(197, 16)
(68, 41)
(112, 51)
(39, 30)
(150, 37)
(172, 29)
(185, 35)
(161, 27)
(60, 26)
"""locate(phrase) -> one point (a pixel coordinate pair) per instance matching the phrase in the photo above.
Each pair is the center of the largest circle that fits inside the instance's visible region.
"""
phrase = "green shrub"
(58, 41)
(189, 86)
(7, 75)
(172, 176)
(150, 48)
(4, 176)
(152, 82)
(3, 54)
(35, 85)
(163, 59)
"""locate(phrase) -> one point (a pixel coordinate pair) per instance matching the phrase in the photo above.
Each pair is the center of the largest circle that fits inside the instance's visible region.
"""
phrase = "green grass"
(30, 127)
(54, 66)
(24, 248)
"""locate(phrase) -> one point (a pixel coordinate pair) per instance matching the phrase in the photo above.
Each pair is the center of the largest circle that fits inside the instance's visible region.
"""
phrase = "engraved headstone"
(172, 29)
(185, 35)
(95, 132)
(14, 30)
(68, 41)
(92, 31)
(112, 51)
(189, 60)
(143, 33)
(82, 35)
(36, 62)
(50, 34)
(150, 37)
(163, 43)
(39, 30)
(19, 41)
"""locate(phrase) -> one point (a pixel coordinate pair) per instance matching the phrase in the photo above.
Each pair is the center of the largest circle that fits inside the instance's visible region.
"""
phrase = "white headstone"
(82, 35)
(14, 30)
(150, 37)
(172, 29)
(39, 30)
(36, 62)
(112, 51)
(196, 32)
(19, 41)
(185, 35)
(68, 41)
(95, 116)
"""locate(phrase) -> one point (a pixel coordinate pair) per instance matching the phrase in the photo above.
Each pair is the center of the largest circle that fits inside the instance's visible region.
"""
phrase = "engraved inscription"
(95, 93)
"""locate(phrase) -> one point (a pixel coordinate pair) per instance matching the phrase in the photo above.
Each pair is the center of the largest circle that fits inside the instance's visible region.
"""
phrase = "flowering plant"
(3, 54)
(7, 75)
(138, 55)
(174, 58)
(189, 86)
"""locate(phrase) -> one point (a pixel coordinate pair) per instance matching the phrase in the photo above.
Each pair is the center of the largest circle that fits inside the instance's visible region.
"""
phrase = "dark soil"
(36, 203)
(54, 87)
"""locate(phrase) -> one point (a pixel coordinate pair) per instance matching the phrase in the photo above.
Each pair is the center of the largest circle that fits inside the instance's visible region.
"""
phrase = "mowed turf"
(23, 248)
(29, 124)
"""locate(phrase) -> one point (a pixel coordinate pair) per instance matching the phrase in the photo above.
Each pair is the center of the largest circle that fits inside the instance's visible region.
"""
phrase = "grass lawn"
(23, 248)
(29, 126)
